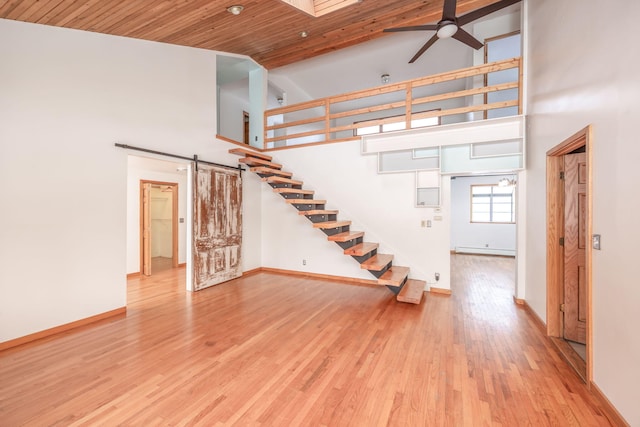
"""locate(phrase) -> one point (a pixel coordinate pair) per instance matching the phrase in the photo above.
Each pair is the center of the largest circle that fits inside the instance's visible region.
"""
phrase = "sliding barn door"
(217, 228)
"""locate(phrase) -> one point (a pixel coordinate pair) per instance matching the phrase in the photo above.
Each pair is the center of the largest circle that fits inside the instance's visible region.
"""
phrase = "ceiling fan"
(451, 25)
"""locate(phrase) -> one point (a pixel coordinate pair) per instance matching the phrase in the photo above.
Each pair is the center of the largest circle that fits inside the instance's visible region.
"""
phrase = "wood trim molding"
(132, 275)
(518, 301)
(440, 291)
(555, 226)
(352, 280)
(107, 315)
(534, 316)
(571, 357)
(610, 411)
(251, 272)
(319, 276)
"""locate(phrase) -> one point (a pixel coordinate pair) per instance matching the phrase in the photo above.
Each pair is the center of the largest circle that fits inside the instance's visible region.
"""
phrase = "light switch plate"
(595, 241)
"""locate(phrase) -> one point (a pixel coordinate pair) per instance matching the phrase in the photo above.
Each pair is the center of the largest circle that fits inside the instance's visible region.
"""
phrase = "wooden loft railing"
(337, 118)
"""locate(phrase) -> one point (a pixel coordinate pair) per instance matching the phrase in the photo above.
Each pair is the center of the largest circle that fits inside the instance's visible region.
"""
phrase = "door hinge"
(561, 175)
(562, 308)
(561, 241)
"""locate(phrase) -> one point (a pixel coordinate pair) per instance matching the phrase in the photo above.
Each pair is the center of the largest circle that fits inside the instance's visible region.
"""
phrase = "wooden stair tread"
(305, 201)
(254, 161)
(264, 170)
(281, 180)
(318, 212)
(412, 291)
(361, 249)
(331, 224)
(249, 153)
(394, 276)
(377, 262)
(292, 190)
(346, 236)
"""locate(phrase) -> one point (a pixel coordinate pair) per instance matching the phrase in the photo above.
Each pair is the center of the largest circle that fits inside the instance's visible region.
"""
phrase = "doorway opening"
(569, 227)
(483, 229)
(245, 127)
(158, 226)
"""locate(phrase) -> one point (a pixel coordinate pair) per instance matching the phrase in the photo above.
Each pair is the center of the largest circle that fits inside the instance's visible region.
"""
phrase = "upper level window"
(388, 127)
(492, 203)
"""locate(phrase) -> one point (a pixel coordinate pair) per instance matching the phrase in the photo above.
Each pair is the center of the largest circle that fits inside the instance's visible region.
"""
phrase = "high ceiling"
(266, 30)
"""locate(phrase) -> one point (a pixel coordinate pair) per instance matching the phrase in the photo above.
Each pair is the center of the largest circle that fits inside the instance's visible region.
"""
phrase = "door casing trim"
(174, 221)
(555, 226)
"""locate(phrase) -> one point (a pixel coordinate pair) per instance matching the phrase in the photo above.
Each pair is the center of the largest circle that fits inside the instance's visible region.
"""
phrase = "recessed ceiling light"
(303, 34)
(236, 9)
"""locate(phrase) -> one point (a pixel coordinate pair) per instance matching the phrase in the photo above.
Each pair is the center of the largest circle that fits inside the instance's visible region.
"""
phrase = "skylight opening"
(318, 8)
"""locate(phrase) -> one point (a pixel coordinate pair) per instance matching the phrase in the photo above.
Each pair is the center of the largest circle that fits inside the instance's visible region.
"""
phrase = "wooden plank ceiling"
(267, 30)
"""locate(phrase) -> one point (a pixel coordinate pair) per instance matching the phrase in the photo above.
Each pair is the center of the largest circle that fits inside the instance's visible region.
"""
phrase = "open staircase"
(352, 242)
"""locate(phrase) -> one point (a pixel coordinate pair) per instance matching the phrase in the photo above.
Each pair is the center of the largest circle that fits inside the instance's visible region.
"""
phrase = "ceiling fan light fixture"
(507, 182)
(235, 9)
(447, 29)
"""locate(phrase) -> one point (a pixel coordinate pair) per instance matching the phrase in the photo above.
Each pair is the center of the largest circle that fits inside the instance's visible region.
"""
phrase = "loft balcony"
(471, 94)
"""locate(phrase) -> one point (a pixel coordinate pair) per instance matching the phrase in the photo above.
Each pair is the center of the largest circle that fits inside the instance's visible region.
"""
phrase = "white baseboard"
(485, 251)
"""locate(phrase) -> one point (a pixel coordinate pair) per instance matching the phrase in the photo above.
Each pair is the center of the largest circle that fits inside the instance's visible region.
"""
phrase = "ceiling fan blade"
(424, 48)
(413, 28)
(483, 11)
(466, 38)
(449, 10)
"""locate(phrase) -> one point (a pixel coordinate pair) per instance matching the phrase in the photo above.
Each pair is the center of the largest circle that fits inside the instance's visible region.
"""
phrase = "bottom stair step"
(394, 276)
(412, 291)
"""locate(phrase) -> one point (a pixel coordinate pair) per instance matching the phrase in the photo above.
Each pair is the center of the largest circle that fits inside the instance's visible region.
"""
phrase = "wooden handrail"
(319, 110)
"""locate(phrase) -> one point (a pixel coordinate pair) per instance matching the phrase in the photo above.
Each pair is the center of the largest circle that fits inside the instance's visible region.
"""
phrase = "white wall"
(67, 97)
(579, 76)
(382, 205)
(140, 168)
(489, 238)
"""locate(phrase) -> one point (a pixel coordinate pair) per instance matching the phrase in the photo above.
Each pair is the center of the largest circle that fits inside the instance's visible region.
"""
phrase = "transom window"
(492, 203)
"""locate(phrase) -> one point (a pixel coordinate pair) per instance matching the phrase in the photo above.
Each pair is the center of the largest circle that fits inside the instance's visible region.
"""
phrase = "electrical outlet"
(437, 276)
(304, 262)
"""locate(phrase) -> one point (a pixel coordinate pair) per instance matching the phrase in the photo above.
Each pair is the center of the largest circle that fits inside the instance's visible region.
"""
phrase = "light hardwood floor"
(277, 350)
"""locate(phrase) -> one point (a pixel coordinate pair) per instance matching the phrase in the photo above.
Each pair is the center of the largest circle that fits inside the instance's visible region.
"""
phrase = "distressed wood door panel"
(575, 241)
(217, 227)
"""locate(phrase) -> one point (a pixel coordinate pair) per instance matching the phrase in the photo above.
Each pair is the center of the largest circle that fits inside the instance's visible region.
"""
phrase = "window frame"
(381, 126)
(491, 204)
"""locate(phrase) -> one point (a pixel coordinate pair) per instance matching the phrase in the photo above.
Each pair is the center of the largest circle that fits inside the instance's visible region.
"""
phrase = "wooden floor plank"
(273, 349)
